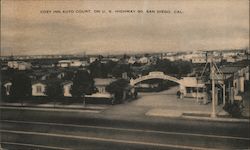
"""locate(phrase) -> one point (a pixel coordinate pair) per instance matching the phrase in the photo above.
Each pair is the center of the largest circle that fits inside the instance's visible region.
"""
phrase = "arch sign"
(154, 75)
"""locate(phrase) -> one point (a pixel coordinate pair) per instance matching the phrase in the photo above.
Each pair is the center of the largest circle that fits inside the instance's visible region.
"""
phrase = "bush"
(233, 109)
(117, 88)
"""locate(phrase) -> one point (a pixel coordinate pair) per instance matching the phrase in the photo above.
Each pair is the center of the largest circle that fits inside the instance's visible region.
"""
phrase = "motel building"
(228, 87)
(191, 88)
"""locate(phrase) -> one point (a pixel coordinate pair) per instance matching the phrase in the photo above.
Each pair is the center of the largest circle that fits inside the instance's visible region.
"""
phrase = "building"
(198, 60)
(143, 60)
(235, 58)
(70, 63)
(7, 85)
(191, 87)
(100, 84)
(92, 59)
(20, 65)
(204, 59)
(66, 88)
(38, 88)
(235, 77)
(132, 60)
(171, 57)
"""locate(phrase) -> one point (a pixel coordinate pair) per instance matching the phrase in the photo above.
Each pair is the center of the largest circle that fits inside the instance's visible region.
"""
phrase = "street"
(29, 129)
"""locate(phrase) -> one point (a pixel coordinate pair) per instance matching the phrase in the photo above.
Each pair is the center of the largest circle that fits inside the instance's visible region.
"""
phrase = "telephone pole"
(212, 75)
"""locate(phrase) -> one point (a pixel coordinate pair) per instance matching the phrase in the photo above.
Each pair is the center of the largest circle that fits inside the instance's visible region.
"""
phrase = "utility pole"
(224, 94)
(213, 113)
(197, 99)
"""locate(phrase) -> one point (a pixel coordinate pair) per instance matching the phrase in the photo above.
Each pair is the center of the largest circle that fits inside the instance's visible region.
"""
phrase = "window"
(39, 89)
(189, 90)
(201, 90)
(235, 85)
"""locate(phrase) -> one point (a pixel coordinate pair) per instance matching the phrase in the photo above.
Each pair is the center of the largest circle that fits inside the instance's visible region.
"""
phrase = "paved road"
(28, 129)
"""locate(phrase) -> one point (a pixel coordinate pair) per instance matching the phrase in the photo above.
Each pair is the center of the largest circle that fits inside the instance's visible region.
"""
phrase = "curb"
(56, 107)
(216, 119)
(86, 110)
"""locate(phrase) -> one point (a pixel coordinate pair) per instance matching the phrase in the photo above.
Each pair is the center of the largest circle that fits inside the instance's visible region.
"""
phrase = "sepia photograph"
(124, 75)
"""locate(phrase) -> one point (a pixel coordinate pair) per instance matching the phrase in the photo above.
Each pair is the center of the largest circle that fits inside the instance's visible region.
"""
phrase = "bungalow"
(38, 88)
(100, 84)
(7, 86)
(66, 88)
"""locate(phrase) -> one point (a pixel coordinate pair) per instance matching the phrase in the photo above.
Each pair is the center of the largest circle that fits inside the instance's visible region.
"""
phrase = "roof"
(230, 69)
(68, 61)
(67, 82)
(6, 81)
(49, 81)
(103, 81)
(191, 82)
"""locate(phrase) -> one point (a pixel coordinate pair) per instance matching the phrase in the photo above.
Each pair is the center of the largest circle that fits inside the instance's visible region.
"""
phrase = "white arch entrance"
(154, 75)
(188, 86)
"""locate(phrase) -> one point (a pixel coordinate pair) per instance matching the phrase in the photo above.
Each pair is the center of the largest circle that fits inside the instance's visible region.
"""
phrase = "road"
(29, 129)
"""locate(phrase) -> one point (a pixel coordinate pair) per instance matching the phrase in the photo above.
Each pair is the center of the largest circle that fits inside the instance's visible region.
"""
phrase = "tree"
(3, 92)
(121, 68)
(54, 90)
(183, 67)
(69, 74)
(97, 69)
(164, 66)
(83, 84)
(117, 88)
(177, 67)
(108, 67)
(21, 86)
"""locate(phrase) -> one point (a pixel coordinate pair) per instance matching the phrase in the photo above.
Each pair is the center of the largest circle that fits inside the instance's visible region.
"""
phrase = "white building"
(203, 59)
(101, 84)
(143, 60)
(70, 63)
(235, 58)
(20, 65)
(38, 89)
(66, 88)
(7, 86)
(114, 59)
(92, 59)
(132, 60)
(190, 87)
(171, 58)
(199, 60)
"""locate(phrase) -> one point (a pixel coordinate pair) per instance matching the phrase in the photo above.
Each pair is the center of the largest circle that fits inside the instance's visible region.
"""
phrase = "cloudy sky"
(202, 25)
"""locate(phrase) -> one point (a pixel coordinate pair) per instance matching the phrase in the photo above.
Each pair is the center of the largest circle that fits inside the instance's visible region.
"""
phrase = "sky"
(202, 25)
